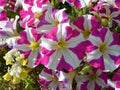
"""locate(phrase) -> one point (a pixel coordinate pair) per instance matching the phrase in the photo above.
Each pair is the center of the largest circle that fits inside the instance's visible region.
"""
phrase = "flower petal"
(114, 50)
(108, 37)
(74, 41)
(95, 40)
(48, 44)
(109, 63)
(23, 47)
(32, 58)
(91, 85)
(101, 82)
(54, 60)
(71, 58)
(93, 55)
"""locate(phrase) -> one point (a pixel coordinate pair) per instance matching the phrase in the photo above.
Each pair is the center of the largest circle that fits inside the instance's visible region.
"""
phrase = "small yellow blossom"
(16, 80)
(7, 77)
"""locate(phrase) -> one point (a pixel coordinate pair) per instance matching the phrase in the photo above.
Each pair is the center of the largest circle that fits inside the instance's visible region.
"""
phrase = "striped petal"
(71, 58)
(54, 60)
(91, 85)
(114, 50)
(109, 63)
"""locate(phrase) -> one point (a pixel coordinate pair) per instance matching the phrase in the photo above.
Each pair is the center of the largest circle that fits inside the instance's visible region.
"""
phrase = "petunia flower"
(29, 44)
(30, 16)
(86, 24)
(8, 30)
(94, 79)
(114, 3)
(51, 19)
(77, 3)
(104, 50)
(49, 80)
(115, 81)
(67, 79)
(61, 48)
(109, 15)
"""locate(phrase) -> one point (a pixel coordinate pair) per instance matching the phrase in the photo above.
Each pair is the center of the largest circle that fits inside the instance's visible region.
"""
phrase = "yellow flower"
(16, 80)
(23, 73)
(8, 59)
(7, 76)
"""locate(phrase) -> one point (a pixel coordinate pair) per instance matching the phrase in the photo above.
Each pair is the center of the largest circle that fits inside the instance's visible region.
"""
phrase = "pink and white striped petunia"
(30, 16)
(86, 24)
(49, 80)
(29, 44)
(51, 19)
(26, 4)
(115, 81)
(93, 80)
(104, 51)
(77, 3)
(61, 48)
(110, 15)
(67, 79)
(7, 29)
(115, 3)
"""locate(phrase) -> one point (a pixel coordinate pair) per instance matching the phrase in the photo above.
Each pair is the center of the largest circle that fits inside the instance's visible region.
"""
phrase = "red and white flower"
(31, 16)
(61, 48)
(51, 19)
(86, 24)
(49, 80)
(115, 81)
(8, 29)
(77, 3)
(110, 16)
(93, 80)
(115, 3)
(104, 50)
(29, 44)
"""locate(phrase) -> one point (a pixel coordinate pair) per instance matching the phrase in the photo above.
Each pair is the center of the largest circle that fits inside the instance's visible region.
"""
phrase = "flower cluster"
(77, 54)
(17, 70)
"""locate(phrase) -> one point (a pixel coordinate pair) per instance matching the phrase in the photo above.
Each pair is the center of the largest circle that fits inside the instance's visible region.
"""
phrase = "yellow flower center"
(37, 15)
(105, 21)
(102, 47)
(61, 44)
(24, 62)
(86, 33)
(54, 78)
(34, 45)
(93, 76)
(108, 17)
(56, 22)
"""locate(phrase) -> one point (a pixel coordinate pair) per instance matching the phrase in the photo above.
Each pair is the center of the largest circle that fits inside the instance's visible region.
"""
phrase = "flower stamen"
(34, 45)
(102, 47)
(61, 44)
